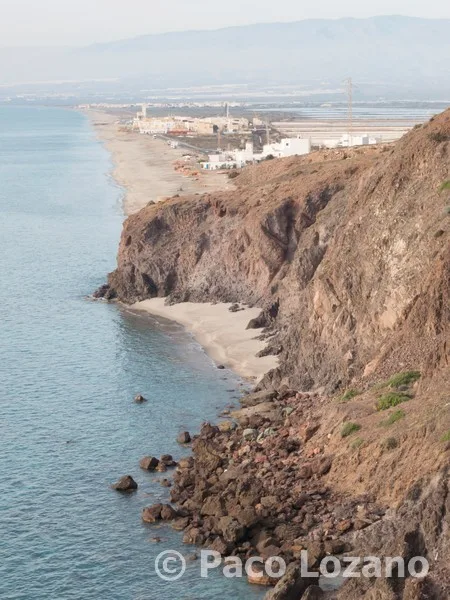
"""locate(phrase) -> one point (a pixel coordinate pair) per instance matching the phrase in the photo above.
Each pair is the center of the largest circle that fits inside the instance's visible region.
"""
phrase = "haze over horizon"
(80, 23)
(389, 56)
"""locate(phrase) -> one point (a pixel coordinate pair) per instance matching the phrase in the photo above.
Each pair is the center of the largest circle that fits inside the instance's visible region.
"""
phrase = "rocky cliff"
(350, 246)
(347, 252)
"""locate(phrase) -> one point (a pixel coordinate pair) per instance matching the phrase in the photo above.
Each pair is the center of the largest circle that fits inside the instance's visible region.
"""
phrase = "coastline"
(144, 167)
(221, 333)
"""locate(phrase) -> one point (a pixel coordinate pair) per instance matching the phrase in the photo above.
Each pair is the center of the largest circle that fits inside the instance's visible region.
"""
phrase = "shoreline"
(221, 333)
(145, 167)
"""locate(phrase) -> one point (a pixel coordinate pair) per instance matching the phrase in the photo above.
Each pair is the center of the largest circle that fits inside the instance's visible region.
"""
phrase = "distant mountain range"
(410, 55)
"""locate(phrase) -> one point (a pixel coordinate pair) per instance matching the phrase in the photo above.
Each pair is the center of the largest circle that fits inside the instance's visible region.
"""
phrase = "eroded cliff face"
(354, 245)
(348, 253)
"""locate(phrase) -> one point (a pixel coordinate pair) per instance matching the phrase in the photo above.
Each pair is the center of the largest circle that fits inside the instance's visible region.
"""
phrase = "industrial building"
(239, 158)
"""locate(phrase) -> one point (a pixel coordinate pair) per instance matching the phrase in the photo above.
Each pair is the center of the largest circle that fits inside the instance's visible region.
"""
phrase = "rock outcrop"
(347, 252)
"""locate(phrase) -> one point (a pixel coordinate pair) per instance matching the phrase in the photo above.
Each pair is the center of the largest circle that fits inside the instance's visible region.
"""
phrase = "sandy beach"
(144, 166)
(222, 333)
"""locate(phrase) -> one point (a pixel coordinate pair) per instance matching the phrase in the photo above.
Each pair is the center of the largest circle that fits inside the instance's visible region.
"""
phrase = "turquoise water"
(69, 369)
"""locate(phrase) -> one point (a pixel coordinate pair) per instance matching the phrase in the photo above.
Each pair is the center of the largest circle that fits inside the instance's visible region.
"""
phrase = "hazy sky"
(78, 22)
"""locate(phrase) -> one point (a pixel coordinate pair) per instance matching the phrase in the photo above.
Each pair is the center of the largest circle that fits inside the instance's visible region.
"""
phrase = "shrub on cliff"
(393, 418)
(439, 137)
(392, 399)
(349, 394)
(406, 378)
(349, 428)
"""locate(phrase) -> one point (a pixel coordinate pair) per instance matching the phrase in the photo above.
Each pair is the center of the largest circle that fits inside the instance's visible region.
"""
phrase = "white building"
(288, 147)
(347, 141)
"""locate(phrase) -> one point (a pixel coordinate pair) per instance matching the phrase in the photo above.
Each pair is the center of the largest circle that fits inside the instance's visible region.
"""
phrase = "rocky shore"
(344, 446)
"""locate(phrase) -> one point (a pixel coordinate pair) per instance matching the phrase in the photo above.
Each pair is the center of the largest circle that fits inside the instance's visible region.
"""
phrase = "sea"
(69, 370)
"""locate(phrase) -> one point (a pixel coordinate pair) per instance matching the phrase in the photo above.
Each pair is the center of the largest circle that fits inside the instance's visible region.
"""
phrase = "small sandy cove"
(222, 333)
(145, 166)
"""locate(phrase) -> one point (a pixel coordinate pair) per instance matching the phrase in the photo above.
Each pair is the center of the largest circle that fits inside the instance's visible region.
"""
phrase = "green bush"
(390, 400)
(349, 394)
(445, 186)
(393, 418)
(357, 443)
(405, 378)
(349, 428)
(446, 437)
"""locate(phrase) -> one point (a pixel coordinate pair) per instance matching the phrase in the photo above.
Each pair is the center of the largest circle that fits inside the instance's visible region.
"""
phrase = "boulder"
(184, 437)
(245, 516)
(186, 463)
(219, 545)
(213, 506)
(231, 530)
(291, 586)
(180, 524)
(227, 426)
(257, 398)
(168, 513)
(313, 592)
(167, 459)
(125, 484)
(151, 514)
(249, 434)
(149, 463)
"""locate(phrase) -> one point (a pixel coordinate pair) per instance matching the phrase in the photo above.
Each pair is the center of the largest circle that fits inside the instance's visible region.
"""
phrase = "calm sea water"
(69, 369)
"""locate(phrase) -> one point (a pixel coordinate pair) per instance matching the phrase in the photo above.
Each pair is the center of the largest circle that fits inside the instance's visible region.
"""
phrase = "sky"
(82, 22)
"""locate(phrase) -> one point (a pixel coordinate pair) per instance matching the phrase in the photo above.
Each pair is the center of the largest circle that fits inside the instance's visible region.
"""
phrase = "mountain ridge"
(404, 55)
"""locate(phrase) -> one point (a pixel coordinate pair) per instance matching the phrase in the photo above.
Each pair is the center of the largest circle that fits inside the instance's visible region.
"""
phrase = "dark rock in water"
(184, 438)
(221, 366)
(166, 483)
(151, 514)
(167, 459)
(125, 484)
(139, 399)
(234, 308)
(149, 463)
(104, 292)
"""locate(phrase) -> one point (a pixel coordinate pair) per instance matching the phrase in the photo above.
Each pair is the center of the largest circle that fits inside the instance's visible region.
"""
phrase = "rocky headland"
(344, 446)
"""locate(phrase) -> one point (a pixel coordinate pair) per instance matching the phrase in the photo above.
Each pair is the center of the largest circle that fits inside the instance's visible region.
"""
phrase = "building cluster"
(348, 140)
(188, 126)
(239, 158)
